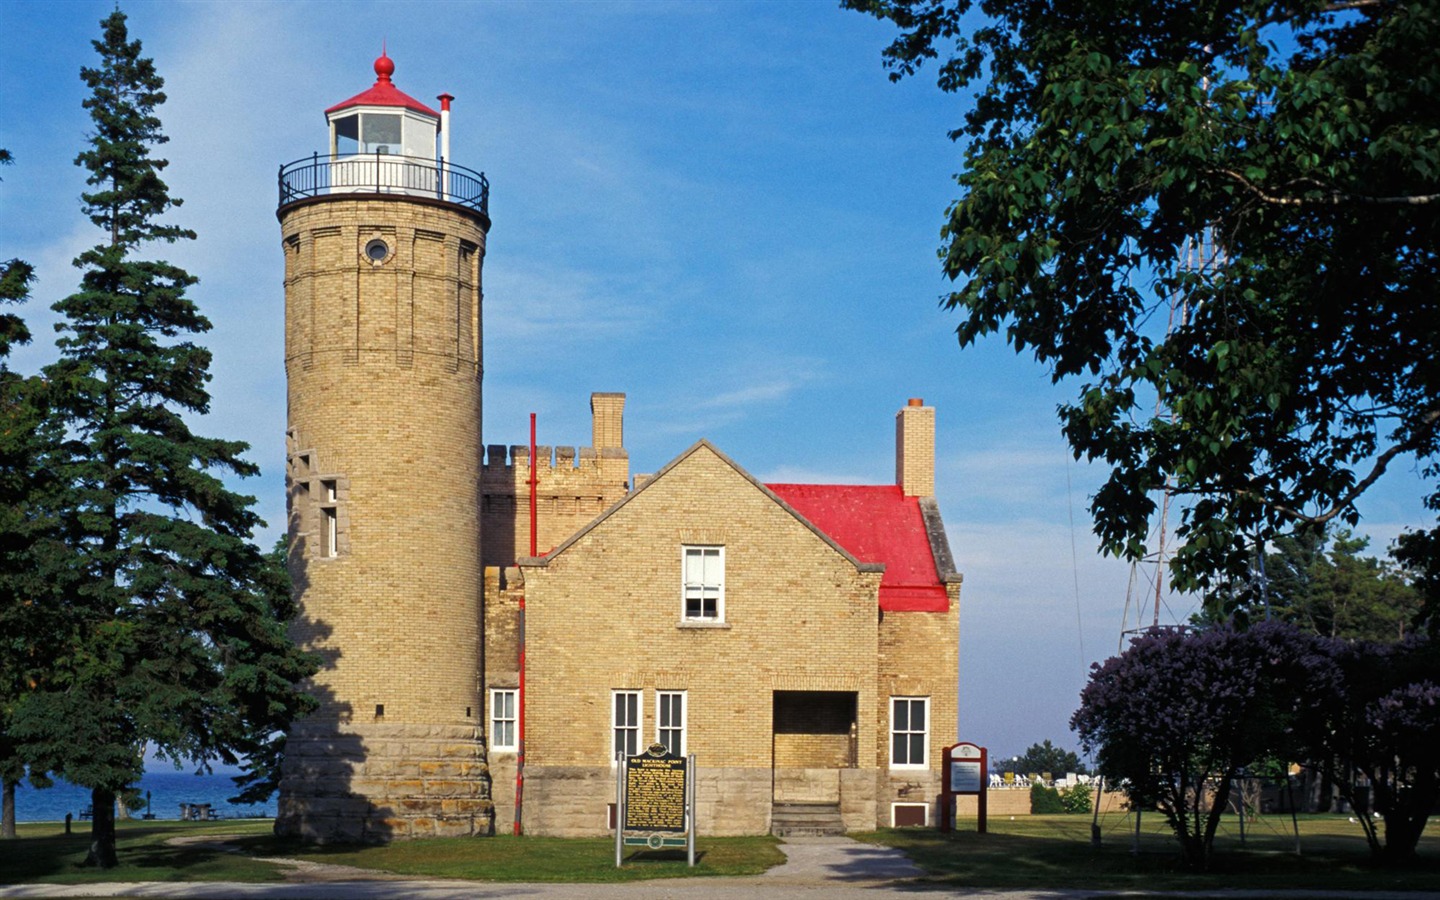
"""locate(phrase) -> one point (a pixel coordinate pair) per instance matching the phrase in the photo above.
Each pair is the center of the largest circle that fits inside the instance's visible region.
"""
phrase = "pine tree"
(28, 534)
(174, 621)
(17, 424)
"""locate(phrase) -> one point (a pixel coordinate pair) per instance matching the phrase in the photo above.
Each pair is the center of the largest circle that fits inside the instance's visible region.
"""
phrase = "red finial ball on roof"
(384, 67)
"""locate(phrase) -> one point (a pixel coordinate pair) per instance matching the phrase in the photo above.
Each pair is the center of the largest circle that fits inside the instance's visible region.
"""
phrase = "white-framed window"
(909, 732)
(625, 723)
(503, 735)
(703, 578)
(332, 531)
(670, 721)
(330, 518)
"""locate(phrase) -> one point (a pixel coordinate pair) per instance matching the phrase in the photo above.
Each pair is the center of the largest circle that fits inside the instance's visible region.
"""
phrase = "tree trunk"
(1326, 800)
(7, 811)
(1212, 818)
(102, 830)
(1402, 833)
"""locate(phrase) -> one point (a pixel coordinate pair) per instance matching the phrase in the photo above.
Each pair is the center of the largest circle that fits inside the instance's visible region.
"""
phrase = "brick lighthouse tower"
(384, 240)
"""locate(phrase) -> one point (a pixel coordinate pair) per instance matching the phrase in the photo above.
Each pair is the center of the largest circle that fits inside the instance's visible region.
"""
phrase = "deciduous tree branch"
(1331, 197)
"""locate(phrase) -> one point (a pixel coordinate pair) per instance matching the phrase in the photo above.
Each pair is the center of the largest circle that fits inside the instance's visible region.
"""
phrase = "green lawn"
(1055, 852)
(1029, 852)
(44, 853)
(510, 858)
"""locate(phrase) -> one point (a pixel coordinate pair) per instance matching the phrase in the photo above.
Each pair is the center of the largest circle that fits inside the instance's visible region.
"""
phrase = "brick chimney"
(607, 412)
(915, 449)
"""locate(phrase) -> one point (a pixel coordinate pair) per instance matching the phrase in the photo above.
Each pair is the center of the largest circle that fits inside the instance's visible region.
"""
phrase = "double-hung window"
(909, 732)
(703, 576)
(670, 721)
(625, 722)
(502, 720)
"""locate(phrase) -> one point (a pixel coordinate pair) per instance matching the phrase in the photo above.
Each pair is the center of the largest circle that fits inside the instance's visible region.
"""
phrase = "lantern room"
(383, 141)
(384, 120)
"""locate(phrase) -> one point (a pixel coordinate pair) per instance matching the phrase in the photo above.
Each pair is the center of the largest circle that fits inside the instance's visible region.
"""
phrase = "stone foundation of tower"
(376, 783)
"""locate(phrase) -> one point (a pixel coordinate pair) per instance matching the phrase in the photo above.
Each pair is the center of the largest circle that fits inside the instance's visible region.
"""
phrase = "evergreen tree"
(1322, 583)
(1046, 757)
(15, 278)
(173, 621)
(17, 428)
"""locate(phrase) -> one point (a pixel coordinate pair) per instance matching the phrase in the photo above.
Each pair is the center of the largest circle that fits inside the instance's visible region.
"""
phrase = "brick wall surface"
(919, 657)
(605, 614)
(574, 485)
(915, 450)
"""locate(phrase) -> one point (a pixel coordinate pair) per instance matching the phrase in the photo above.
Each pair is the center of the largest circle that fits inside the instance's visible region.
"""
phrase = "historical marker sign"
(655, 793)
(655, 796)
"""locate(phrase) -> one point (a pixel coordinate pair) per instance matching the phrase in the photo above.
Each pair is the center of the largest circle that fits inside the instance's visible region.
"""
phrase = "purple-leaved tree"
(1176, 716)
(1384, 726)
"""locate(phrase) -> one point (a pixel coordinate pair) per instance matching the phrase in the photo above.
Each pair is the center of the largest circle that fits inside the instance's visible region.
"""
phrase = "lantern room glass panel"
(420, 135)
(345, 136)
(380, 133)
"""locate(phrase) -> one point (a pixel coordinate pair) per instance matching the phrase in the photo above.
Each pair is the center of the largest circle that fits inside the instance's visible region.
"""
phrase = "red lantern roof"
(383, 93)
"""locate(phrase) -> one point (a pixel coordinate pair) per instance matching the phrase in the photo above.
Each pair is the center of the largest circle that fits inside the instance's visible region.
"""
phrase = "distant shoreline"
(160, 793)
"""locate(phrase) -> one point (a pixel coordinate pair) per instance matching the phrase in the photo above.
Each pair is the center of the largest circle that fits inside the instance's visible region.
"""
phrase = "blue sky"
(724, 210)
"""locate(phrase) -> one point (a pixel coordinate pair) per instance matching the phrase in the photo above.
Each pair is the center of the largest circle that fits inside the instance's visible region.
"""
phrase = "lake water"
(167, 790)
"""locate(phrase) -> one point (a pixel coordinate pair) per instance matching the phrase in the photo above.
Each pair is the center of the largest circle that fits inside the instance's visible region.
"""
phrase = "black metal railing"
(383, 173)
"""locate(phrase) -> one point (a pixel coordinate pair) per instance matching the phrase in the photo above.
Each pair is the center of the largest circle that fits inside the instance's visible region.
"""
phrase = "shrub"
(1076, 799)
(1044, 800)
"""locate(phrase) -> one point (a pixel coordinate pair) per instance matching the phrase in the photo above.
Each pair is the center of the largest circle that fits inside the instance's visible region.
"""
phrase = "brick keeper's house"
(801, 640)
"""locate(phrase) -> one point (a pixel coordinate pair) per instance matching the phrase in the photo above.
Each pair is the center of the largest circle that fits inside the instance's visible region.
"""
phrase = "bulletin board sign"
(965, 773)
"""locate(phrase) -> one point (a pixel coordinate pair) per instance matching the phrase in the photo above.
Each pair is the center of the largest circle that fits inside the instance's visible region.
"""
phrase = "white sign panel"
(965, 776)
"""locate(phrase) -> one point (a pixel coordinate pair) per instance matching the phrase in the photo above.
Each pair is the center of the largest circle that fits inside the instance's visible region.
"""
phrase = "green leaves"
(1125, 159)
(162, 624)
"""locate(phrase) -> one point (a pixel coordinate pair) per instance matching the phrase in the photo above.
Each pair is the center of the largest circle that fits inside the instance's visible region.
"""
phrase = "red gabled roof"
(383, 93)
(876, 524)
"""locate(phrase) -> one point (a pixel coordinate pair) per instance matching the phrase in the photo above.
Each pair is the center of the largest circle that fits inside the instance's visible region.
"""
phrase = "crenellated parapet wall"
(562, 467)
(573, 486)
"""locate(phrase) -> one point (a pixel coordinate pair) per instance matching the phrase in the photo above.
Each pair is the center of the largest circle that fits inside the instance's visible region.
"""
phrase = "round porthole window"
(377, 250)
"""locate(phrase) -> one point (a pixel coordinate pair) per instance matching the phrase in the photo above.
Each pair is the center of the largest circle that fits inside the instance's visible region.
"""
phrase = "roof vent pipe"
(445, 100)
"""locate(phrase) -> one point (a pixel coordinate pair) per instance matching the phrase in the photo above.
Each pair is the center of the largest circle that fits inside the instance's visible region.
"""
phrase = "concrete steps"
(806, 819)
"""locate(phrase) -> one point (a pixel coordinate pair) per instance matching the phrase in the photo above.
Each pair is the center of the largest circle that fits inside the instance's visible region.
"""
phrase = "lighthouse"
(384, 240)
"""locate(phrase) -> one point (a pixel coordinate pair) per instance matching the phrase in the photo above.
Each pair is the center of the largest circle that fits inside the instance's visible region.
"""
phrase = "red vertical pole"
(534, 482)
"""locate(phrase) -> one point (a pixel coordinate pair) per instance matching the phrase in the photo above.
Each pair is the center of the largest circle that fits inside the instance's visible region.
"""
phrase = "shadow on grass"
(508, 858)
(662, 856)
(45, 854)
(40, 857)
(1055, 852)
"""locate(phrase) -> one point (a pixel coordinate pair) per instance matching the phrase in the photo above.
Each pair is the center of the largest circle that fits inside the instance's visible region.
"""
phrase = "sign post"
(655, 801)
(964, 773)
